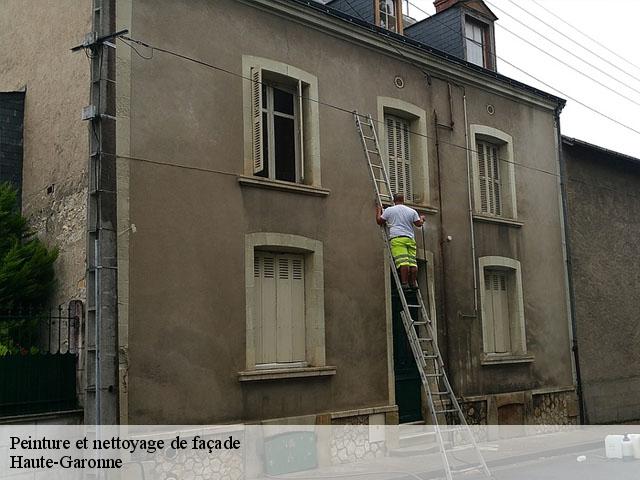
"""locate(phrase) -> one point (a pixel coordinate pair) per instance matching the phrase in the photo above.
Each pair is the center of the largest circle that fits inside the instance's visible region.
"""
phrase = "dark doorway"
(408, 385)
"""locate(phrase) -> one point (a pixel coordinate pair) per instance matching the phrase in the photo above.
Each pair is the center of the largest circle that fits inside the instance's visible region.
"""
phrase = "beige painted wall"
(186, 310)
(35, 43)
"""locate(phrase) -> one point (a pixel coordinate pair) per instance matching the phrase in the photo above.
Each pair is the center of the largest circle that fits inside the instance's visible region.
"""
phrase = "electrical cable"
(594, 110)
(578, 43)
(319, 102)
(604, 72)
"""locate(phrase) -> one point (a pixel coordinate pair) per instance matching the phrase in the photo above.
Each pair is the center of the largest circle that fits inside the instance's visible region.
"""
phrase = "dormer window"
(389, 14)
(477, 43)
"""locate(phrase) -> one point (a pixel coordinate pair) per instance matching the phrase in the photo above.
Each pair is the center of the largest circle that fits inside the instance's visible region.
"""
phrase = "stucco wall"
(602, 194)
(186, 267)
(35, 43)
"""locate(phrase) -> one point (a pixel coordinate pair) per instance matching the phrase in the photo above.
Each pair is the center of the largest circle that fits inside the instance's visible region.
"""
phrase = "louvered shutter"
(392, 166)
(497, 197)
(256, 116)
(290, 309)
(484, 180)
(265, 307)
(399, 155)
(498, 321)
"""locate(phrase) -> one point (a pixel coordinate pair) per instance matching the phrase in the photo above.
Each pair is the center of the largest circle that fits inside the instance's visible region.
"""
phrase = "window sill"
(499, 220)
(283, 373)
(268, 183)
(500, 359)
(419, 207)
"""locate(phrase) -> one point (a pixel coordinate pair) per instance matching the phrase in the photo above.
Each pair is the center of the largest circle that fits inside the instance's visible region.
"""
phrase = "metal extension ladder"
(421, 335)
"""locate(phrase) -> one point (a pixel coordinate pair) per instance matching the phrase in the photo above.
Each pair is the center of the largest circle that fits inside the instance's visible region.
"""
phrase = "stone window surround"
(509, 264)
(490, 134)
(419, 148)
(311, 116)
(314, 304)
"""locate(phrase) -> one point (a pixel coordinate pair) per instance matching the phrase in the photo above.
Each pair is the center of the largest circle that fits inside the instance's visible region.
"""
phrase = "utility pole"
(101, 399)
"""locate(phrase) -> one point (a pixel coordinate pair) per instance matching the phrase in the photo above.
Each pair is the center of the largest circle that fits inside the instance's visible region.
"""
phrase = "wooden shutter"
(489, 175)
(498, 321)
(265, 307)
(256, 116)
(399, 154)
(290, 309)
(495, 181)
(484, 180)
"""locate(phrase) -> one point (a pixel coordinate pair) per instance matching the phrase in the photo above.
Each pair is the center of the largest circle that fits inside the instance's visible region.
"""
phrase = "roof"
(359, 23)
(581, 143)
(476, 5)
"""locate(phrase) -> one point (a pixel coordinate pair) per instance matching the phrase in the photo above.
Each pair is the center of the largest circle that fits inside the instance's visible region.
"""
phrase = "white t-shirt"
(400, 220)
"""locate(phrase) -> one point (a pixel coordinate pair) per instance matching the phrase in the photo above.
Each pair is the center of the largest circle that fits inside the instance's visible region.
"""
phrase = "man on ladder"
(400, 219)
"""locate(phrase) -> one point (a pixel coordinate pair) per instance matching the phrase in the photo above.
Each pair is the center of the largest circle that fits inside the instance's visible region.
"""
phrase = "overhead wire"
(319, 102)
(595, 67)
(578, 43)
(564, 94)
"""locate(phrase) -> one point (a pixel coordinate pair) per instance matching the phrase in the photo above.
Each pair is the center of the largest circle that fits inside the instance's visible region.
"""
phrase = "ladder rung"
(467, 469)
(439, 393)
(433, 374)
(373, 151)
(424, 339)
(449, 410)
(377, 166)
(428, 355)
(420, 323)
(414, 306)
(368, 138)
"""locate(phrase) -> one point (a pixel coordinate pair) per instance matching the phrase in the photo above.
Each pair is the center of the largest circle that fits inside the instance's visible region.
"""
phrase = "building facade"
(254, 286)
(252, 282)
(602, 198)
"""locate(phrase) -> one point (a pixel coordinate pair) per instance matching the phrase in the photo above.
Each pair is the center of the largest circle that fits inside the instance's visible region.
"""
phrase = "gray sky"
(614, 23)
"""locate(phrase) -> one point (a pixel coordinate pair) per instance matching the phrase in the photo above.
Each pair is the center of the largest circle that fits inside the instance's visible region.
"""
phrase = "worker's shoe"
(413, 288)
(406, 287)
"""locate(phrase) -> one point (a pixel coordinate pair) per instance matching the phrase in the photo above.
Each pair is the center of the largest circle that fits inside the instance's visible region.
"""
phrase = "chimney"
(442, 5)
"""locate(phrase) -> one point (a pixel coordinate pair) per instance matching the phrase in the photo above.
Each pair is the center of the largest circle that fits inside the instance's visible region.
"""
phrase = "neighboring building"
(602, 201)
(44, 152)
(252, 281)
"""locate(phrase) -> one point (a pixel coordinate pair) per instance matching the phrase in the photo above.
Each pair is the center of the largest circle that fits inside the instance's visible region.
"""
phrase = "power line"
(590, 38)
(564, 49)
(325, 104)
(594, 110)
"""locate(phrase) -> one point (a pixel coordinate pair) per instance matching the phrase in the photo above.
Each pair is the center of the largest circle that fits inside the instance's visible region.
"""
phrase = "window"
(277, 128)
(502, 307)
(478, 44)
(284, 279)
(389, 15)
(279, 309)
(494, 182)
(403, 139)
(281, 123)
(399, 156)
(489, 170)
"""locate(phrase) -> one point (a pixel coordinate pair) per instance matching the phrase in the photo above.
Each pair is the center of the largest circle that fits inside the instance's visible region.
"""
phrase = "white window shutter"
(497, 197)
(406, 157)
(484, 181)
(265, 307)
(256, 115)
(391, 154)
(290, 308)
(489, 312)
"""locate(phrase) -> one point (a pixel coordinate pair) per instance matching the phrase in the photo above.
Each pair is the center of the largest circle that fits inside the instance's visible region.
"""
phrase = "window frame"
(487, 43)
(312, 251)
(298, 124)
(399, 25)
(417, 119)
(517, 319)
(309, 142)
(509, 206)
